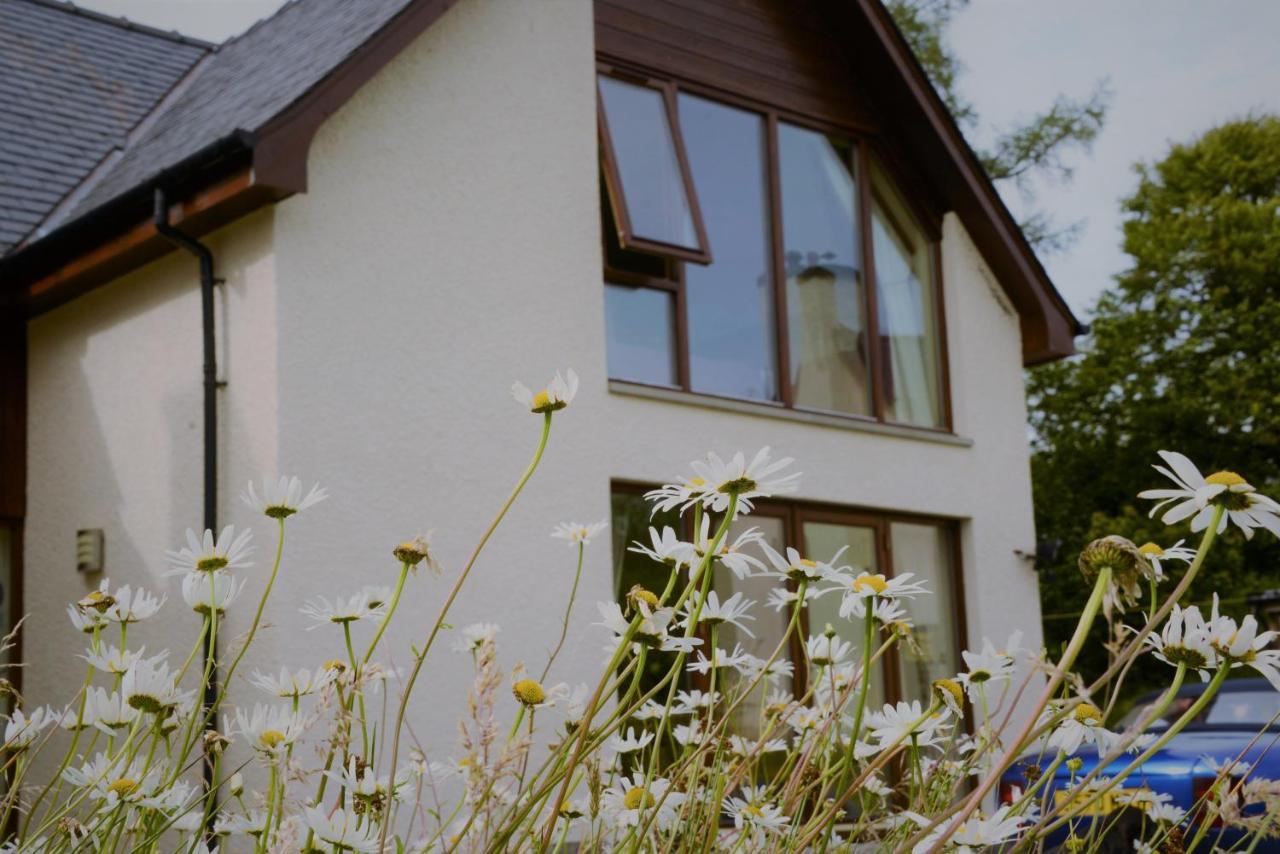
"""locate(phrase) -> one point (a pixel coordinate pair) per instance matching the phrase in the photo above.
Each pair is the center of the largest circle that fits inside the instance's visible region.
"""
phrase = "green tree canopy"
(1184, 354)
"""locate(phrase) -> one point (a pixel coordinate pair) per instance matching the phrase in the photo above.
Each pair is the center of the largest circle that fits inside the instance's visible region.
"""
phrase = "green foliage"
(1183, 355)
(1034, 147)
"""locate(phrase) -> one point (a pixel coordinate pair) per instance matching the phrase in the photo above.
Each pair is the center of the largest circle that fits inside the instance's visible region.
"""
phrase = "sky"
(1175, 68)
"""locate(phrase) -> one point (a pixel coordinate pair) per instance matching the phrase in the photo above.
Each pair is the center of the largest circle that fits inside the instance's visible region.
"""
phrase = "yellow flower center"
(1225, 478)
(637, 796)
(123, 787)
(646, 596)
(753, 811)
(529, 692)
(804, 561)
(1087, 714)
(211, 563)
(1151, 550)
(541, 399)
(271, 737)
(874, 583)
(335, 664)
(949, 686)
(698, 481)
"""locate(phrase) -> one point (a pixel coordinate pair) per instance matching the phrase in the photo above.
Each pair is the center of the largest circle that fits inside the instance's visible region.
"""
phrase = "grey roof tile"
(73, 84)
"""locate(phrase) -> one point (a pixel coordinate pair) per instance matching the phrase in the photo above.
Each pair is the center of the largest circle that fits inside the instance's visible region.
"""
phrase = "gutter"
(208, 282)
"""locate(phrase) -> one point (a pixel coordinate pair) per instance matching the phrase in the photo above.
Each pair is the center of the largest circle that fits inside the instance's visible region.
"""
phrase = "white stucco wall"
(449, 244)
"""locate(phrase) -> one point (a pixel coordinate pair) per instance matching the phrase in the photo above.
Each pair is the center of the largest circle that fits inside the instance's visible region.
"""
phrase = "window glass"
(640, 325)
(644, 154)
(731, 320)
(907, 312)
(821, 541)
(925, 550)
(1245, 708)
(825, 300)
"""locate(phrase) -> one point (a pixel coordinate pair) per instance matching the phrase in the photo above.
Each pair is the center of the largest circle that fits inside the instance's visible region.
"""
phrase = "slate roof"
(241, 86)
(73, 84)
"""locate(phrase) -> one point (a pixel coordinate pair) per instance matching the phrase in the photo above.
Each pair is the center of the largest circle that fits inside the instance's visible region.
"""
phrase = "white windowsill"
(765, 410)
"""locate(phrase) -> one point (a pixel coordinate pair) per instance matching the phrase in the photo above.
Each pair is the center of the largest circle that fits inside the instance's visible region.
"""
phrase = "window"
(872, 541)
(752, 257)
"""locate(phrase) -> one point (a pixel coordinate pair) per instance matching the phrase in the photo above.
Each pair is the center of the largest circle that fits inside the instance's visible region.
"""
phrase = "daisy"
(795, 568)
(205, 554)
(132, 606)
(890, 614)
(22, 730)
(651, 710)
(759, 478)
(681, 495)
(576, 705)
(1196, 496)
(652, 630)
(218, 589)
(576, 533)
(342, 830)
(369, 791)
(827, 649)
(895, 723)
(282, 498)
(149, 686)
(989, 664)
(732, 611)
(689, 702)
(530, 693)
(290, 685)
(269, 729)
(752, 666)
(253, 823)
(667, 547)
(558, 394)
(976, 834)
(1083, 726)
(731, 555)
(623, 802)
(340, 611)
(377, 594)
(630, 743)
(112, 782)
(687, 734)
(109, 712)
(719, 658)
(416, 551)
(1156, 556)
(1166, 813)
(87, 621)
(108, 659)
(751, 811)
(745, 746)
(1184, 640)
(1244, 645)
(781, 599)
(475, 636)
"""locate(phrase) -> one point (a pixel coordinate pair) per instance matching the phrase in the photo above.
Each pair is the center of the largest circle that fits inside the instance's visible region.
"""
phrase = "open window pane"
(907, 313)
(640, 325)
(821, 541)
(654, 203)
(925, 550)
(826, 303)
(732, 334)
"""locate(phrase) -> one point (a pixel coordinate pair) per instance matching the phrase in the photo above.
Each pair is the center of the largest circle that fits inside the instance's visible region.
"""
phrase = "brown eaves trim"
(220, 183)
(1048, 325)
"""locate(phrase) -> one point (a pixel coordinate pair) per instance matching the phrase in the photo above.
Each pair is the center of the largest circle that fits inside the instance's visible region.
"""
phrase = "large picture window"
(876, 542)
(751, 256)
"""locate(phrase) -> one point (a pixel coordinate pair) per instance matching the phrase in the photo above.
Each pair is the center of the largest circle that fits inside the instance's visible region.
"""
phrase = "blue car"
(1227, 729)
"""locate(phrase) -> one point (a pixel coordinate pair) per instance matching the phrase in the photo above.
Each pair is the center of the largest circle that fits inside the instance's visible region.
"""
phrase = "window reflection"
(732, 348)
(825, 299)
(926, 551)
(821, 541)
(640, 329)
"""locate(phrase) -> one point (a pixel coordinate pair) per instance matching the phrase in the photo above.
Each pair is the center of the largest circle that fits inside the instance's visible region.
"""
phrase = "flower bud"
(236, 785)
(1127, 563)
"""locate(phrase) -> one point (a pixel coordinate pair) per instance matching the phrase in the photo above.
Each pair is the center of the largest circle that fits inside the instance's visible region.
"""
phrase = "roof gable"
(72, 85)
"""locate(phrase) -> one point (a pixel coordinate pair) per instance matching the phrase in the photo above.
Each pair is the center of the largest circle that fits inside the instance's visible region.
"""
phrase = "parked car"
(1226, 730)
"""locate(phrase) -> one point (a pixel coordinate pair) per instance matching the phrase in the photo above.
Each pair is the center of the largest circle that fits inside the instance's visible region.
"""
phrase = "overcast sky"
(1175, 67)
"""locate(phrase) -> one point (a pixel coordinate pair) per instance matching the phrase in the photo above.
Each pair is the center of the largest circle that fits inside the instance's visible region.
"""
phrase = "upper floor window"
(749, 256)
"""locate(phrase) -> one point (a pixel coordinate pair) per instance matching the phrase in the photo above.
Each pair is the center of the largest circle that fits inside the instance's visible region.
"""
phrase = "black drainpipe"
(207, 284)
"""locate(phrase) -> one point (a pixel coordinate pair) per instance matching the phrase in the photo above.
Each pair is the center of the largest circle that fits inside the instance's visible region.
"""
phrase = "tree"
(1037, 147)
(1183, 355)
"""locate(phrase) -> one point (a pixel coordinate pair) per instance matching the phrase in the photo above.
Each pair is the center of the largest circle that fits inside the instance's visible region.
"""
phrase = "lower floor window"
(883, 543)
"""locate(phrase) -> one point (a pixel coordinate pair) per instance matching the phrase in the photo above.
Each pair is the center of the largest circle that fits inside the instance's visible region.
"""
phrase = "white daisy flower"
(531, 694)
(651, 710)
(343, 830)
(558, 394)
(108, 711)
(681, 495)
(377, 594)
(1165, 813)
(205, 591)
(989, 664)
(825, 650)
(623, 802)
(732, 611)
(745, 746)
(475, 636)
(630, 743)
(889, 612)
(731, 555)
(652, 630)
(369, 791)
(205, 554)
(687, 734)
(752, 811)
(1244, 645)
(577, 533)
(864, 585)
(22, 729)
(752, 666)
(132, 606)
(281, 498)
(416, 551)
(1196, 496)
(269, 729)
(340, 610)
(719, 658)
(667, 547)
(1157, 556)
(977, 834)
(759, 478)
(292, 684)
(690, 702)
(149, 686)
(253, 824)
(906, 720)
(1082, 726)
(109, 659)
(87, 621)
(782, 599)
(1184, 639)
(113, 782)
(795, 568)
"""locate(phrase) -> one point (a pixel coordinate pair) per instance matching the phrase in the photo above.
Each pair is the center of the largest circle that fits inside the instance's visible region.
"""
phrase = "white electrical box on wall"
(89, 550)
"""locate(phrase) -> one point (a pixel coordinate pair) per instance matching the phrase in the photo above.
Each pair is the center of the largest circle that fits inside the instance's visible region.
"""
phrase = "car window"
(1245, 708)
(1141, 710)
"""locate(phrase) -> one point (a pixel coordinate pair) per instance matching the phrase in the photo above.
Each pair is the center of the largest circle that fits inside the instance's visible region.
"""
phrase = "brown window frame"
(795, 514)
(616, 190)
(864, 147)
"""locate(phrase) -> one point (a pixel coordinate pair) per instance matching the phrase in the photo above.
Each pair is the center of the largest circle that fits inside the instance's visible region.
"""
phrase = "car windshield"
(1230, 708)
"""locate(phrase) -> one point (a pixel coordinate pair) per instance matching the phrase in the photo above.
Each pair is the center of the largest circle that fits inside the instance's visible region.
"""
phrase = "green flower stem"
(66, 759)
(1076, 644)
(868, 639)
(253, 627)
(386, 618)
(564, 631)
(357, 693)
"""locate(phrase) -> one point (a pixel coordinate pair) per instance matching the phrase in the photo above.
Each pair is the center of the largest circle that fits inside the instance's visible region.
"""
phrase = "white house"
(743, 223)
